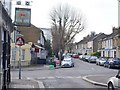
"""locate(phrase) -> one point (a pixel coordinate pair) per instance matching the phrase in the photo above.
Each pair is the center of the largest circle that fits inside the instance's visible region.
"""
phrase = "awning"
(39, 47)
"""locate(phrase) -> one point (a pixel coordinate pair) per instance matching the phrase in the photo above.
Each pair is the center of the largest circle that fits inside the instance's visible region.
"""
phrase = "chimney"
(114, 30)
(92, 33)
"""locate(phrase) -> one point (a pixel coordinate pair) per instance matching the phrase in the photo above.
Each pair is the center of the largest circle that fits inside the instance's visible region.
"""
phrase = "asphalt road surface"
(67, 77)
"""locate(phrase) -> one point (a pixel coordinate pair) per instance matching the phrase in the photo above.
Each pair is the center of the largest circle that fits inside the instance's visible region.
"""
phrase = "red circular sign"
(20, 41)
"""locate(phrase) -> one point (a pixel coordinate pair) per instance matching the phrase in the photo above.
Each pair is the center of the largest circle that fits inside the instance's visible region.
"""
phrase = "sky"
(101, 15)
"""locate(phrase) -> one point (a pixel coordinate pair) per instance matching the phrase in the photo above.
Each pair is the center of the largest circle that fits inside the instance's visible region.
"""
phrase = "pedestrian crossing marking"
(60, 77)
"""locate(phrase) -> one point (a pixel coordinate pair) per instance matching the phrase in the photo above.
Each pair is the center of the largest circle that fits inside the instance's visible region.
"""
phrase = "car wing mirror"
(118, 76)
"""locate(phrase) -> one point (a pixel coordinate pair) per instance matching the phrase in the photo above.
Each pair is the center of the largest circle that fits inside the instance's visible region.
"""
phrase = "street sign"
(20, 41)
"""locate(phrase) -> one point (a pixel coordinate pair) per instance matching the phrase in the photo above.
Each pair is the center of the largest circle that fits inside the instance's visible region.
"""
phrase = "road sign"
(20, 41)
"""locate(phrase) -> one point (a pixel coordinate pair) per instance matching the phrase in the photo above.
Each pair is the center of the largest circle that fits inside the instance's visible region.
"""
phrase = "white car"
(67, 62)
(101, 61)
(114, 82)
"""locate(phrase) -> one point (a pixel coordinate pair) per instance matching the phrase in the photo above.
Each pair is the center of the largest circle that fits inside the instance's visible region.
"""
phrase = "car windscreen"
(67, 56)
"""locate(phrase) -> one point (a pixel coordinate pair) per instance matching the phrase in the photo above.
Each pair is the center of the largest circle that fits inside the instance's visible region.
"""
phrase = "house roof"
(116, 32)
(30, 34)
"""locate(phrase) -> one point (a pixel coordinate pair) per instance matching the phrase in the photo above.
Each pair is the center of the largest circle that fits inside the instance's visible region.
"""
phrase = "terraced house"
(110, 45)
(89, 43)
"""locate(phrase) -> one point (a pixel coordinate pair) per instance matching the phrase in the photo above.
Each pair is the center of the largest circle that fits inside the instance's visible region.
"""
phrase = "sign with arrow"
(20, 41)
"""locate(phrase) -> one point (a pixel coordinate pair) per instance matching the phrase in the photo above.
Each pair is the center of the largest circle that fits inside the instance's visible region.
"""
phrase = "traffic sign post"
(20, 42)
(19, 62)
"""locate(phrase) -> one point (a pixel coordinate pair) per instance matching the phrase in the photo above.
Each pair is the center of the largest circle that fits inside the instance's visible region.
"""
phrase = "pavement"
(100, 80)
(30, 83)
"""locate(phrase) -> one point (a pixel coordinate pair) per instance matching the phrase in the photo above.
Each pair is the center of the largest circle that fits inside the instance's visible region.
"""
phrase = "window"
(114, 54)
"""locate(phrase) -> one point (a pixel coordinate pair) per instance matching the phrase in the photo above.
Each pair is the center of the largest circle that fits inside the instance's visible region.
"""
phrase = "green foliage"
(48, 47)
(98, 54)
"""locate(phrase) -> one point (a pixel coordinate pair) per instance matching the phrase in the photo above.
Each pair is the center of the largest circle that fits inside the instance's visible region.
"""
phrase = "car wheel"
(99, 64)
(110, 86)
(109, 66)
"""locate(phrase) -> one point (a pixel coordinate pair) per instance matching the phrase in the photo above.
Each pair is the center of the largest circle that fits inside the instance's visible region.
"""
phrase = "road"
(67, 77)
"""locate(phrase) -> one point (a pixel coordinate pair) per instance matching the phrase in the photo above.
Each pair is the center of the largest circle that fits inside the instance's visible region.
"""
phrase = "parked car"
(112, 63)
(92, 59)
(67, 61)
(87, 57)
(113, 82)
(83, 57)
(101, 61)
(80, 57)
(75, 56)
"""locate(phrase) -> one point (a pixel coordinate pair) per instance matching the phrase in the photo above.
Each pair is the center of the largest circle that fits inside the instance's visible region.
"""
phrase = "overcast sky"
(101, 15)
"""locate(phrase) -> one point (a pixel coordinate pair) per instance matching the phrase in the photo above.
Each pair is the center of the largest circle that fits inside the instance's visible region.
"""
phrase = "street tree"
(48, 47)
(66, 23)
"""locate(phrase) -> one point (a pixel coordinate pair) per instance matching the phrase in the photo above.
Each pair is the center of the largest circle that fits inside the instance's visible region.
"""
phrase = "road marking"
(50, 77)
(79, 77)
(62, 77)
(23, 86)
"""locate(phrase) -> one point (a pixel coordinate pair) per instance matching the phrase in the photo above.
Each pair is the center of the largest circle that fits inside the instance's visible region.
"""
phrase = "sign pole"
(19, 62)
(20, 41)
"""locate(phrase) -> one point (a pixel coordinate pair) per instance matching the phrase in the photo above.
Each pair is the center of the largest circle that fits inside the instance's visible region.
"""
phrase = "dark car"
(92, 59)
(112, 63)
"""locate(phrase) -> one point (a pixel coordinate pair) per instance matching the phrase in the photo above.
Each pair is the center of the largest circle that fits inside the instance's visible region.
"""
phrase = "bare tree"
(66, 23)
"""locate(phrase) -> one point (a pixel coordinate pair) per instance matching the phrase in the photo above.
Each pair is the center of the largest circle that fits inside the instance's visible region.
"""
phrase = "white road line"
(79, 77)
(67, 77)
(64, 77)
(23, 86)
(41, 78)
(50, 77)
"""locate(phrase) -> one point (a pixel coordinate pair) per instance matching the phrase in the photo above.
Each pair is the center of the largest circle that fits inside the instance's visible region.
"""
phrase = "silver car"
(101, 61)
(114, 82)
(67, 62)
